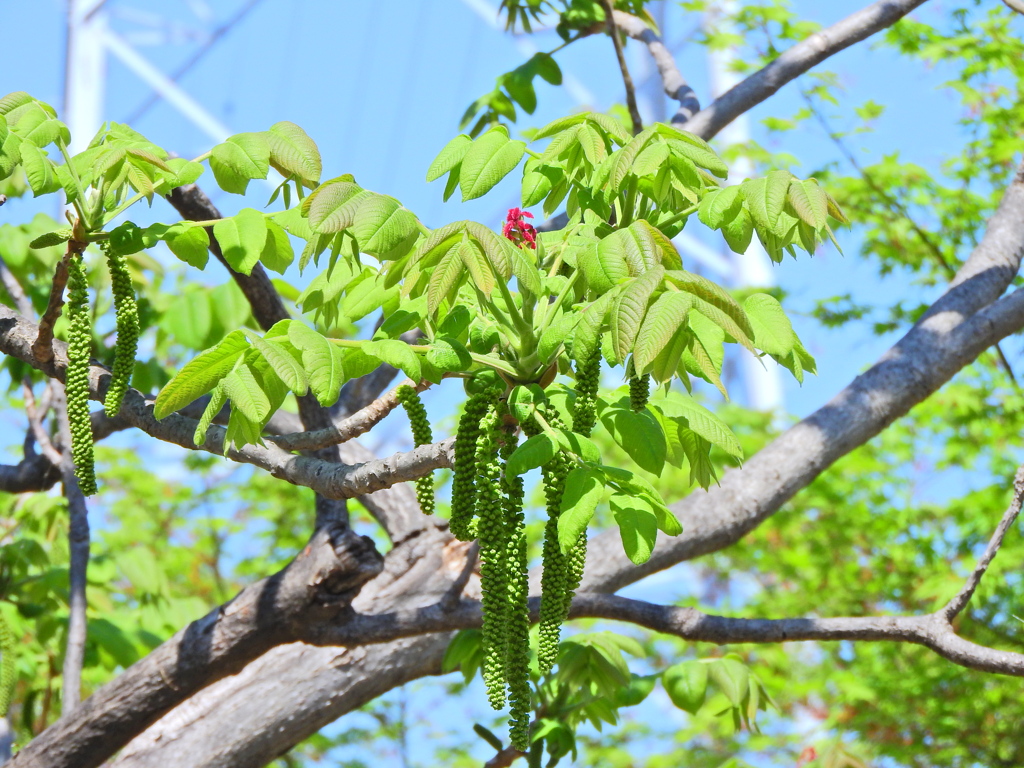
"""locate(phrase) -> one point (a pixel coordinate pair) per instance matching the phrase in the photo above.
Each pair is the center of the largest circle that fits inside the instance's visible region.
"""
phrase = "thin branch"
(1015, 5)
(627, 79)
(14, 289)
(672, 79)
(318, 585)
(795, 61)
(35, 422)
(505, 758)
(358, 423)
(960, 600)
(78, 545)
(333, 481)
(898, 207)
(42, 348)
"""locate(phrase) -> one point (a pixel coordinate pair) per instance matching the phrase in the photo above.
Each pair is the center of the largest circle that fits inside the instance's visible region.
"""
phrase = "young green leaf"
(247, 394)
(773, 333)
(639, 435)
(534, 452)
(293, 152)
(396, 353)
(284, 363)
(449, 157)
(686, 685)
(488, 161)
(188, 243)
(638, 526)
(664, 319)
(201, 374)
(277, 253)
(241, 158)
(242, 238)
(321, 360)
(583, 491)
(732, 679)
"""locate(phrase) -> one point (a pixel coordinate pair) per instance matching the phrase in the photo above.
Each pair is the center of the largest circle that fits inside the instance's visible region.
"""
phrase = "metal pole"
(86, 71)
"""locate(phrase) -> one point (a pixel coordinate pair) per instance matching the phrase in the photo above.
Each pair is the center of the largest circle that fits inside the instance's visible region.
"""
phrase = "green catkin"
(492, 533)
(464, 479)
(554, 578)
(127, 313)
(517, 624)
(588, 376)
(421, 435)
(76, 380)
(7, 676)
(639, 391)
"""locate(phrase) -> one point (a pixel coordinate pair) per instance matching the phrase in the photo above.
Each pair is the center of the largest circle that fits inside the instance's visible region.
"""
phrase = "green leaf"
(686, 685)
(285, 364)
(277, 253)
(638, 526)
(332, 207)
(188, 243)
(559, 125)
(239, 159)
(293, 152)
(584, 447)
(396, 353)
(488, 161)
(663, 322)
(380, 223)
(651, 159)
(200, 375)
(629, 310)
(182, 172)
(739, 231)
(242, 238)
(720, 206)
(583, 491)
(448, 354)
(773, 332)
(703, 422)
(445, 278)
(321, 360)
(732, 679)
(534, 452)
(639, 435)
(694, 148)
(217, 400)
(449, 157)
(809, 202)
(777, 186)
(716, 304)
(246, 394)
(38, 170)
(478, 265)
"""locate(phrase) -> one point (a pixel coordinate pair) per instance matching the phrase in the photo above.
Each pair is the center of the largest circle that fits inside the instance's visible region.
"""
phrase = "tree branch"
(795, 61)
(14, 289)
(318, 585)
(627, 80)
(42, 346)
(332, 481)
(960, 600)
(358, 423)
(671, 78)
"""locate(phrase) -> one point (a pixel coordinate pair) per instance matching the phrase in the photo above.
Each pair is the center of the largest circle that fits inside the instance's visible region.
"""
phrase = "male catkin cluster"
(7, 673)
(127, 313)
(555, 582)
(421, 435)
(588, 377)
(517, 632)
(464, 481)
(76, 380)
(639, 392)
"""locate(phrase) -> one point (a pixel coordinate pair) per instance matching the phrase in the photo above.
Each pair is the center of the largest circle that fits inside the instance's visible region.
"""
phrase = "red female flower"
(518, 230)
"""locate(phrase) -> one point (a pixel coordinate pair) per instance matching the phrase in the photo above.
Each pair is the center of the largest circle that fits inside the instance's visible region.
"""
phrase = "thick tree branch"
(318, 585)
(672, 79)
(795, 61)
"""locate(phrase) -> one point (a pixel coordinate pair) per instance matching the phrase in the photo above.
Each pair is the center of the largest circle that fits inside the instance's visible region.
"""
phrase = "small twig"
(672, 79)
(17, 293)
(505, 758)
(43, 346)
(959, 602)
(634, 112)
(358, 423)
(35, 420)
(894, 204)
